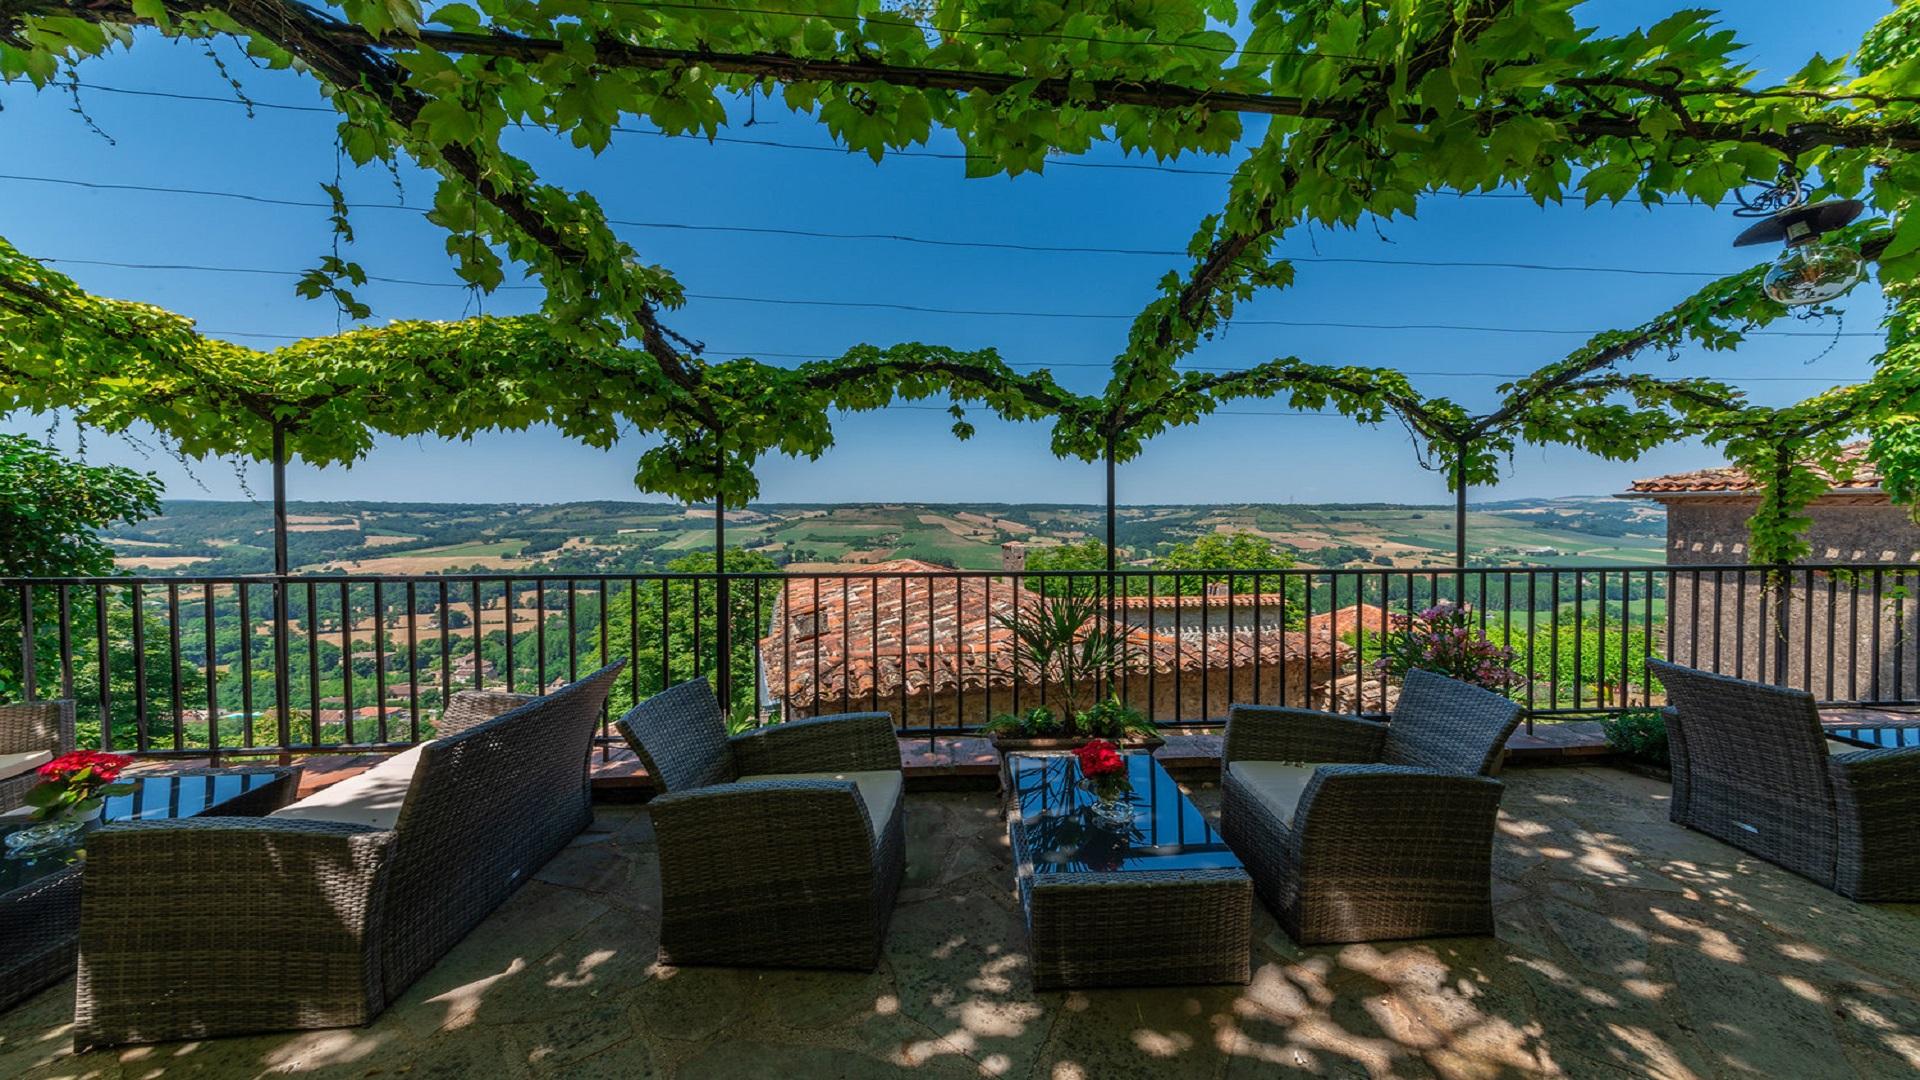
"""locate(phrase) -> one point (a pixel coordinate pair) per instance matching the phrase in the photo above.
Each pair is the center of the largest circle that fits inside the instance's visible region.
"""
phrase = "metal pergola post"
(281, 615)
(722, 646)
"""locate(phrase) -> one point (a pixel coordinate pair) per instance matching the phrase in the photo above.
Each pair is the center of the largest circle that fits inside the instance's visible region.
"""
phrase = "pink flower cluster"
(1441, 640)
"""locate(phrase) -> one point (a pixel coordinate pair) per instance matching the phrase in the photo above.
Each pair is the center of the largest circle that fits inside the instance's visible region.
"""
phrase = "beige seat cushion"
(879, 789)
(1835, 746)
(12, 765)
(1277, 784)
(373, 798)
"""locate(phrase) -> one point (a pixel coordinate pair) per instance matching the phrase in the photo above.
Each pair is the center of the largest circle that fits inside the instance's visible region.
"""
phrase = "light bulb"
(1812, 273)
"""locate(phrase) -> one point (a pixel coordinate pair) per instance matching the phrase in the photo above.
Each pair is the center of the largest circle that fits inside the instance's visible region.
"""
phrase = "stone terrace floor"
(1626, 947)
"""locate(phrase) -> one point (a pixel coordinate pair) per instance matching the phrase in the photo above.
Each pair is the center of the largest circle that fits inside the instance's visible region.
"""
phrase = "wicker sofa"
(1355, 830)
(323, 913)
(1753, 767)
(31, 734)
(780, 847)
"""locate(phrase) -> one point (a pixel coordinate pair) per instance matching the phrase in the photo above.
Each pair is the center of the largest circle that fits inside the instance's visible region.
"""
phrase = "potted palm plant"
(1067, 641)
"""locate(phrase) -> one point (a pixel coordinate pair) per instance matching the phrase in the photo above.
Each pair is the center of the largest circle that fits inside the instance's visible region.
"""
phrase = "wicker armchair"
(31, 734)
(781, 847)
(1753, 767)
(1354, 830)
(322, 914)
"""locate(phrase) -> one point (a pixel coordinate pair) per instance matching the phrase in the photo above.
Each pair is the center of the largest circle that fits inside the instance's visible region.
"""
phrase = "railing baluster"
(540, 633)
(1874, 611)
(633, 643)
(1853, 638)
(1553, 644)
(986, 643)
(1806, 631)
(380, 661)
(413, 663)
(140, 735)
(29, 689)
(1901, 583)
(65, 635)
(1153, 659)
(313, 665)
(900, 723)
(173, 662)
(573, 636)
(1533, 640)
(246, 666)
(104, 658)
(666, 637)
(446, 649)
(1833, 627)
(347, 710)
(606, 716)
(1259, 637)
(213, 687)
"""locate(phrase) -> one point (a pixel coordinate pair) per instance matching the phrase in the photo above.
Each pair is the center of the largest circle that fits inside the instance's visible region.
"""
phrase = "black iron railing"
(209, 666)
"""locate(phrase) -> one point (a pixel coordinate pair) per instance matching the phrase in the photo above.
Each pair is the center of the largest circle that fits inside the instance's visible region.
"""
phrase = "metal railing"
(212, 666)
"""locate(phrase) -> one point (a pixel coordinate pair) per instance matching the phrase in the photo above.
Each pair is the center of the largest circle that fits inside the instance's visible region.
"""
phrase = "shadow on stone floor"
(1626, 947)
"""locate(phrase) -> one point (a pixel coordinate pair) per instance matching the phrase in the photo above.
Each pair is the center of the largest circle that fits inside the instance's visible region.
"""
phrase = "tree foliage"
(53, 508)
(1367, 108)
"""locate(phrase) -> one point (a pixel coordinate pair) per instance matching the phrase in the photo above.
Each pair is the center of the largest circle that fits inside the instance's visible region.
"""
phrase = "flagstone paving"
(1626, 947)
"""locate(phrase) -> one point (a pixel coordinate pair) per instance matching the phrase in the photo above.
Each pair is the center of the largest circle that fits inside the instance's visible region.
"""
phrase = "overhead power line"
(737, 140)
(900, 238)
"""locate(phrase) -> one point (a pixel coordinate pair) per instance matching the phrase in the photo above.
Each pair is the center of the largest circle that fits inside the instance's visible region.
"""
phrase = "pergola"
(1469, 97)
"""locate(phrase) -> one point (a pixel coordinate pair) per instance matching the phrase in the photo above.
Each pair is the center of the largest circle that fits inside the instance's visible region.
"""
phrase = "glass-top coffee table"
(40, 896)
(1158, 900)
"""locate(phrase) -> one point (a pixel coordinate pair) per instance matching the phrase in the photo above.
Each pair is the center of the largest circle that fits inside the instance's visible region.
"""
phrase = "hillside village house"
(1853, 652)
(933, 651)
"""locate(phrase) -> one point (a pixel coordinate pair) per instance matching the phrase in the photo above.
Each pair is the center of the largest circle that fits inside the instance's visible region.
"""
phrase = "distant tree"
(48, 521)
(53, 509)
(643, 650)
(1087, 555)
(1222, 551)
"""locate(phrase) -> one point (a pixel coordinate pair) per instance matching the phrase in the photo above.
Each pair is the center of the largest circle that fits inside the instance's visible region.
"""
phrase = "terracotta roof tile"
(859, 636)
(1865, 476)
(1218, 600)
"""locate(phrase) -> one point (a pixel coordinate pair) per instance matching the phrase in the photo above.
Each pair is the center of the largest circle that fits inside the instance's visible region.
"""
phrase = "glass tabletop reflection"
(1065, 835)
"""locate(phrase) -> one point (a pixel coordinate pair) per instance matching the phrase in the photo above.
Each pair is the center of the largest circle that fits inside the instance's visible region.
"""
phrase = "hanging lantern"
(1808, 271)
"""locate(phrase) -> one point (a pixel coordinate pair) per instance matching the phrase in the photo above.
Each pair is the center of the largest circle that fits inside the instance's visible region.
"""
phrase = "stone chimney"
(1013, 557)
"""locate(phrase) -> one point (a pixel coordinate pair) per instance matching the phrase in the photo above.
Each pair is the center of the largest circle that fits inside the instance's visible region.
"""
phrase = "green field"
(618, 537)
(478, 547)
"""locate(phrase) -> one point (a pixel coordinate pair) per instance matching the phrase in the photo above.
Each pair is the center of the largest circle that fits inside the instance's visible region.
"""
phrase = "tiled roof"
(1220, 600)
(1355, 617)
(858, 637)
(1728, 478)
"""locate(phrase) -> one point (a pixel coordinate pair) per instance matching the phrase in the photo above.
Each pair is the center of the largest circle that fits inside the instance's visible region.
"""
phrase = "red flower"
(1098, 757)
(106, 767)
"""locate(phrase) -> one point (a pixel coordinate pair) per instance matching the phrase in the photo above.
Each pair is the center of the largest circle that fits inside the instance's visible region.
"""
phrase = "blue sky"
(1248, 455)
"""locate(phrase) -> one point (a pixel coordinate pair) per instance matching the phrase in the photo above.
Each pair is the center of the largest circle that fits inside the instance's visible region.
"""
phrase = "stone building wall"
(1712, 530)
(1844, 640)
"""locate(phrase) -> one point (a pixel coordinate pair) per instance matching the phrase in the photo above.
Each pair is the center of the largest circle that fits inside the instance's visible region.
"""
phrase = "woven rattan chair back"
(36, 725)
(680, 737)
(1756, 767)
(487, 807)
(29, 727)
(1445, 724)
